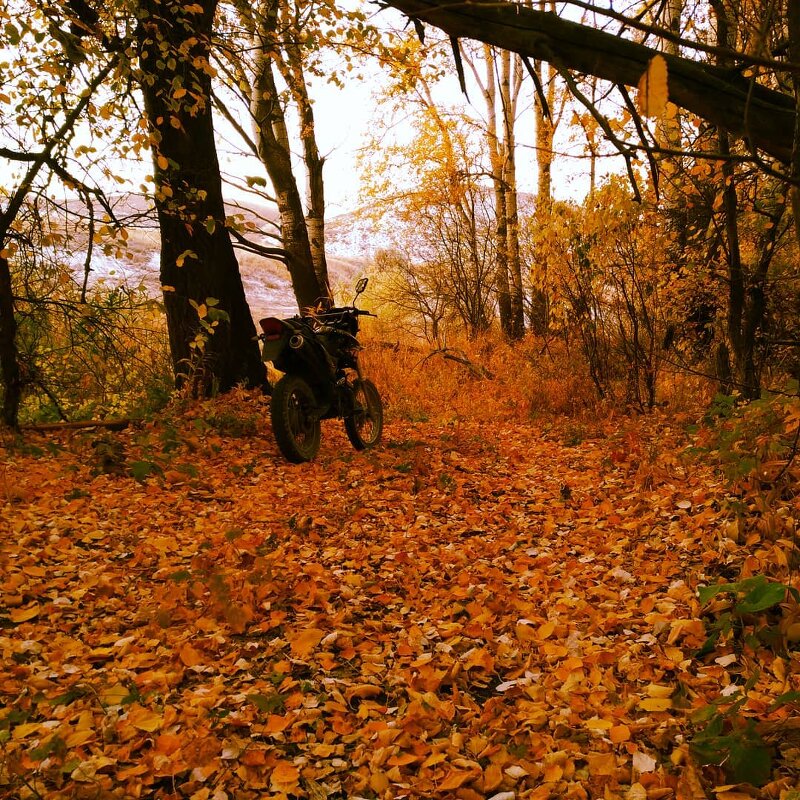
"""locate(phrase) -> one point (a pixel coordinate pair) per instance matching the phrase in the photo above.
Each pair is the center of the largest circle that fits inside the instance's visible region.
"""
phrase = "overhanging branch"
(724, 98)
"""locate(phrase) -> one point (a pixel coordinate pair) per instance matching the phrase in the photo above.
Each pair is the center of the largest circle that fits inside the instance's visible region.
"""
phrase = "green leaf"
(55, 744)
(763, 596)
(142, 469)
(705, 593)
(180, 576)
(750, 759)
(12, 33)
(72, 694)
(267, 704)
(784, 699)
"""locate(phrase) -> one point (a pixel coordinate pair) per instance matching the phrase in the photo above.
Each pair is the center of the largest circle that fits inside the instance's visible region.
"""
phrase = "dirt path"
(468, 612)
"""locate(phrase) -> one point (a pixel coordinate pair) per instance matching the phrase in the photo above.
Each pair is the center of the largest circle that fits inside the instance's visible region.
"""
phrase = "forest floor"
(472, 610)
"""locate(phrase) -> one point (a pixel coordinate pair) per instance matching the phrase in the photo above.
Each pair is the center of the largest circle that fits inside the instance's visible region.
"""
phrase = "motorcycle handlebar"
(335, 312)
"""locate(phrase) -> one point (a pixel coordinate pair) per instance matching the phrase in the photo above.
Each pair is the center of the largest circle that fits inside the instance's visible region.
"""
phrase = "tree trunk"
(793, 24)
(198, 263)
(498, 184)
(9, 356)
(275, 153)
(545, 133)
(731, 101)
(292, 69)
(509, 91)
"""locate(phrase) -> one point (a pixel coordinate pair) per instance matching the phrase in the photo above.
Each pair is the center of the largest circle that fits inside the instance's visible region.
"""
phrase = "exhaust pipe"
(296, 342)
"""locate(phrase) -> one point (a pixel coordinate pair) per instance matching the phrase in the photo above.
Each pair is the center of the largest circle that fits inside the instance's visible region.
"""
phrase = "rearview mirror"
(361, 285)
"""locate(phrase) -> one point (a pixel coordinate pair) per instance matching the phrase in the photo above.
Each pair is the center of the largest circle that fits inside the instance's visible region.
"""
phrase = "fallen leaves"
(434, 619)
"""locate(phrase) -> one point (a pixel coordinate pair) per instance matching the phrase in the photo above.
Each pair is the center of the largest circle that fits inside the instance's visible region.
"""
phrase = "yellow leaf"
(597, 724)
(655, 704)
(168, 743)
(189, 656)
(480, 658)
(378, 782)
(18, 615)
(601, 763)
(552, 773)
(619, 733)
(144, 719)
(434, 758)
(303, 645)
(654, 88)
(454, 780)
(492, 777)
(22, 731)
(284, 773)
(277, 723)
(162, 162)
(114, 695)
(793, 632)
(545, 631)
(657, 690)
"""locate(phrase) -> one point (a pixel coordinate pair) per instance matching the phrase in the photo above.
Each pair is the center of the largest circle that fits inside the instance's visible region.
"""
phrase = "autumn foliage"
(481, 608)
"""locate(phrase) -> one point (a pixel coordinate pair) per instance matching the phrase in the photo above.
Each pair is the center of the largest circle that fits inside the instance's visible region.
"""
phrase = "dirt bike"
(323, 379)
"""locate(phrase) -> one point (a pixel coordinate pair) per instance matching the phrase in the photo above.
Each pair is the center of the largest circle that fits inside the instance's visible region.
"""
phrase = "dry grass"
(486, 379)
(529, 380)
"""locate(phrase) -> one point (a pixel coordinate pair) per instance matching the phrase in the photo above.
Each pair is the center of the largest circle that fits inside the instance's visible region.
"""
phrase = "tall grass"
(501, 381)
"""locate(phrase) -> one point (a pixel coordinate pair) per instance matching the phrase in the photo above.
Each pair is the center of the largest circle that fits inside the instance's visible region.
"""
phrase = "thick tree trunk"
(9, 356)
(198, 263)
(793, 24)
(731, 101)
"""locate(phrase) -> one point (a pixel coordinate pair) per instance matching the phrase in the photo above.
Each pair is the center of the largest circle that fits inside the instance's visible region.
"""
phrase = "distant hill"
(266, 281)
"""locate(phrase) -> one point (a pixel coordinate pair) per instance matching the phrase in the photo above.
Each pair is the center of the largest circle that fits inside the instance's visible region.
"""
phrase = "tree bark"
(309, 284)
(198, 262)
(545, 134)
(498, 183)
(744, 108)
(510, 80)
(9, 356)
(293, 73)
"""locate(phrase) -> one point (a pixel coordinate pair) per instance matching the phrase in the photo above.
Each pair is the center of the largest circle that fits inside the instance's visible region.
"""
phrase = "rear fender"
(274, 337)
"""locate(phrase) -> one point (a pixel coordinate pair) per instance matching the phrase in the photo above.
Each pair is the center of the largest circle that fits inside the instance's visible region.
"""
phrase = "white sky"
(344, 117)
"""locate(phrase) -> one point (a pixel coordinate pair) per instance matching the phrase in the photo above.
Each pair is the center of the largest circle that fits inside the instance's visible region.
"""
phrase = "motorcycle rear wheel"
(365, 425)
(294, 420)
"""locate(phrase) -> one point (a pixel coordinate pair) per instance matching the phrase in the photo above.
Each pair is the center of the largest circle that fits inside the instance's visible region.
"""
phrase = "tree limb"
(724, 97)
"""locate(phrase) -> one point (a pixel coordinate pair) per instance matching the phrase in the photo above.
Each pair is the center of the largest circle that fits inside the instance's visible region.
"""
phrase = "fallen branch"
(110, 424)
(451, 354)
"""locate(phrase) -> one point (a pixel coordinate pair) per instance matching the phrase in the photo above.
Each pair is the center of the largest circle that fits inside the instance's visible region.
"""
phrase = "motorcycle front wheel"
(365, 424)
(294, 420)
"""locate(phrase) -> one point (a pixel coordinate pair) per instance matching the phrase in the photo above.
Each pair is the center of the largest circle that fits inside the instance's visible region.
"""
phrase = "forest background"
(611, 349)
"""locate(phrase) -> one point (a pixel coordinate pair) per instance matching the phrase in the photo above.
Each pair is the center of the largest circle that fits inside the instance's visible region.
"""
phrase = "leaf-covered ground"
(472, 611)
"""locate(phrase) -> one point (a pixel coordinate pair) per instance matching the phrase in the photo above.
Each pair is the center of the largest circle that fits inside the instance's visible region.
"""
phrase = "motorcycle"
(323, 379)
